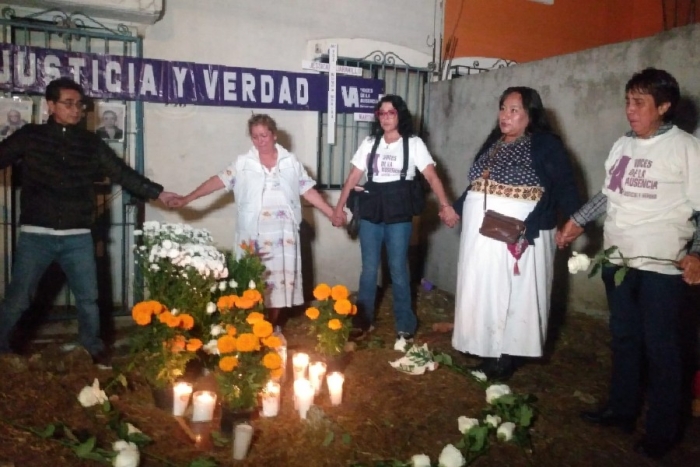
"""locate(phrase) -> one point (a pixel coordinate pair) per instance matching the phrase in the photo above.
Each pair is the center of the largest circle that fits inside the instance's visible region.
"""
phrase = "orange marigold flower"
(312, 312)
(141, 314)
(272, 361)
(244, 303)
(248, 247)
(155, 306)
(173, 321)
(339, 292)
(165, 317)
(354, 310)
(231, 330)
(186, 321)
(272, 342)
(228, 363)
(262, 328)
(247, 342)
(178, 344)
(226, 344)
(226, 302)
(322, 291)
(277, 373)
(194, 345)
(254, 317)
(343, 307)
(254, 295)
(335, 324)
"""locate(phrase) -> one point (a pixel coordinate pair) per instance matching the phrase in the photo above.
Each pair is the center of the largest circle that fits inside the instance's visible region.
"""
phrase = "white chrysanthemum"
(578, 262)
(464, 424)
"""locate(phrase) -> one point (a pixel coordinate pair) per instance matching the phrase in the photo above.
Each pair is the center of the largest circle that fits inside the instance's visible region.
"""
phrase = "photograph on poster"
(109, 120)
(14, 114)
(43, 115)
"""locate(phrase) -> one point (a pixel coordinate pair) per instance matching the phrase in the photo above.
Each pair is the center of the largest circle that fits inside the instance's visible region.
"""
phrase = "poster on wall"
(43, 115)
(109, 120)
(14, 114)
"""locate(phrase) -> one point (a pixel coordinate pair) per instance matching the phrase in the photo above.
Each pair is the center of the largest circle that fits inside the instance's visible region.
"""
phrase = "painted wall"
(584, 94)
(186, 145)
(523, 30)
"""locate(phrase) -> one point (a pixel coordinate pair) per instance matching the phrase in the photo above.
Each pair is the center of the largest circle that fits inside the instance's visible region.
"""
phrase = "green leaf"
(219, 439)
(139, 439)
(478, 436)
(203, 462)
(121, 379)
(83, 449)
(96, 457)
(347, 439)
(620, 275)
(69, 434)
(329, 439)
(106, 406)
(610, 250)
(594, 270)
(526, 414)
(47, 432)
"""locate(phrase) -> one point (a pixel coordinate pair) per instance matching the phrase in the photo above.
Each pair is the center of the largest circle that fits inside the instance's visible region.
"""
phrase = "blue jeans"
(76, 256)
(396, 237)
(644, 312)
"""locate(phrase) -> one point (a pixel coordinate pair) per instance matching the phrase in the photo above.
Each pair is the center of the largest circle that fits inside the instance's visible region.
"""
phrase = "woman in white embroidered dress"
(267, 182)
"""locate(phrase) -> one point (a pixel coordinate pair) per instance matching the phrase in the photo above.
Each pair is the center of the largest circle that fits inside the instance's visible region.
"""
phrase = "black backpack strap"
(372, 155)
(404, 169)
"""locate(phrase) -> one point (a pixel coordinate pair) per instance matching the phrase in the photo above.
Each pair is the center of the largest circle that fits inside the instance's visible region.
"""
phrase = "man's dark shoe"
(606, 417)
(502, 368)
(653, 449)
(102, 360)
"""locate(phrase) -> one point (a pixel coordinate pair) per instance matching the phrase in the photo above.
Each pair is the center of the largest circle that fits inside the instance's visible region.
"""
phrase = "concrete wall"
(584, 93)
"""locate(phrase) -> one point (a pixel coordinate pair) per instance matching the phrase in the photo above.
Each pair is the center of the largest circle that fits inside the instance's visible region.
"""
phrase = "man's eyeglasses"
(388, 113)
(80, 105)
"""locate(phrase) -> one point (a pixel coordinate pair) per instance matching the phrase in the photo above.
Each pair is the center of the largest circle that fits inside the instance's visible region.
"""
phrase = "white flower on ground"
(127, 454)
(451, 457)
(211, 347)
(222, 286)
(479, 375)
(465, 424)
(232, 283)
(216, 330)
(211, 308)
(251, 284)
(131, 429)
(92, 395)
(493, 420)
(495, 391)
(505, 431)
(578, 262)
(420, 460)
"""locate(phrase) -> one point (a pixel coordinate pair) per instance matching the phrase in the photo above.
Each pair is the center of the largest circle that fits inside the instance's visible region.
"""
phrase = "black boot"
(502, 369)
(485, 366)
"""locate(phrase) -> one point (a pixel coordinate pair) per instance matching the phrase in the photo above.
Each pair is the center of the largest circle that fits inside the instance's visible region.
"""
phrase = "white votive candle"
(317, 372)
(304, 395)
(300, 362)
(271, 399)
(335, 387)
(181, 398)
(203, 403)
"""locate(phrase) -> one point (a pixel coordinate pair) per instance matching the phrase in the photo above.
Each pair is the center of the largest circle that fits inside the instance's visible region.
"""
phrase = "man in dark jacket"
(60, 163)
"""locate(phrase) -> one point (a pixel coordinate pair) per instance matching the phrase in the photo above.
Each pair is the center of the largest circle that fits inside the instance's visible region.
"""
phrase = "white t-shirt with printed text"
(653, 187)
(388, 160)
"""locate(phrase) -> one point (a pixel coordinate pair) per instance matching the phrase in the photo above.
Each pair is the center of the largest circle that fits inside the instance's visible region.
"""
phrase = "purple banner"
(30, 69)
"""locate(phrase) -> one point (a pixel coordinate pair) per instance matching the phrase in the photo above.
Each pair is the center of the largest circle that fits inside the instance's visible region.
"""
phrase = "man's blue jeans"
(644, 312)
(76, 256)
(396, 237)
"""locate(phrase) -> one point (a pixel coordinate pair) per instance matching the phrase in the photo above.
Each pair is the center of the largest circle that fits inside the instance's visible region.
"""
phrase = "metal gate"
(116, 213)
(401, 79)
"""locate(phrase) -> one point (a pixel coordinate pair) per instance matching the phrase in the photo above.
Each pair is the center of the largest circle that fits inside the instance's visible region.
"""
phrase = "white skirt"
(496, 311)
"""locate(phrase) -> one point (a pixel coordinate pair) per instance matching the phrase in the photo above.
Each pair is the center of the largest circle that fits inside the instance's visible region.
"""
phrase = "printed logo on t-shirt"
(632, 182)
(386, 165)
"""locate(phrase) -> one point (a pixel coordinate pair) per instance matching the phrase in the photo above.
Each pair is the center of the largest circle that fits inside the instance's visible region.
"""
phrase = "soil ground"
(385, 414)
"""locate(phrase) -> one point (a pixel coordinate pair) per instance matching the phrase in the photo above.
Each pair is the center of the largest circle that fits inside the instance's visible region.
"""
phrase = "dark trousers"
(644, 311)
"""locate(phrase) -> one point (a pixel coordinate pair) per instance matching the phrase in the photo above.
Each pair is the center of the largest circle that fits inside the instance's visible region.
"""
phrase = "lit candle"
(335, 387)
(300, 361)
(271, 399)
(304, 396)
(203, 406)
(317, 371)
(181, 398)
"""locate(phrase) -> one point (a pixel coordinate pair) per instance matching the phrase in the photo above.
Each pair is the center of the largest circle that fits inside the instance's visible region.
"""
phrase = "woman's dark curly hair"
(532, 103)
(660, 84)
(405, 120)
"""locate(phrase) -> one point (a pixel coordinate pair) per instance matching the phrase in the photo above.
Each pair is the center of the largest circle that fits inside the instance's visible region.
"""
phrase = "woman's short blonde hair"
(262, 119)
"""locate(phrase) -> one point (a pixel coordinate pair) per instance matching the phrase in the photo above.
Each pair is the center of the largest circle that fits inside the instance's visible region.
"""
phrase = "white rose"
(578, 262)
(495, 391)
(216, 330)
(222, 286)
(479, 375)
(451, 457)
(211, 308)
(420, 460)
(505, 431)
(213, 288)
(465, 424)
(92, 395)
(233, 284)
(251, 284)
(127, 454)
(493, 420)
(167, 244)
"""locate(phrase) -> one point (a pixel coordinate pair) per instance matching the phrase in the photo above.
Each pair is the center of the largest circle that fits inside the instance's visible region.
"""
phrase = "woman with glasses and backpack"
(387, 204)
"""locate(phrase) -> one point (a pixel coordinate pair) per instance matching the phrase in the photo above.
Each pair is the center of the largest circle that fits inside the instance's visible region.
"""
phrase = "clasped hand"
(449, 216)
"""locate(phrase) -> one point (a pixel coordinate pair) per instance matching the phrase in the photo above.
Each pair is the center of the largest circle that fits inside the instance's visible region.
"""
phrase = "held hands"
(690, 264)
(339, 217)
(166, 197)
(567, 234)
(449, 216)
